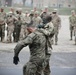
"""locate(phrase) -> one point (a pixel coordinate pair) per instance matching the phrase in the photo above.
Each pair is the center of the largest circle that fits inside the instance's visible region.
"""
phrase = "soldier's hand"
(15, 60)
(40, 26)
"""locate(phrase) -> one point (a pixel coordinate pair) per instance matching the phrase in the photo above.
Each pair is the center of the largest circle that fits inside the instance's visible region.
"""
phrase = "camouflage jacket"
(2, 18)
(48, 31)
(48, 28)
(56, 21)
(72, 20)
(37, 21)
(36, 42)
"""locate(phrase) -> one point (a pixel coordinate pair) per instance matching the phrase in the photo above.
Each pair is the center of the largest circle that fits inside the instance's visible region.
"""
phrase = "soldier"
(31, 15)
(26, 21)
(48, 31)
(10, 26)
(12, 11)
(2, 24)
(56, 20)
(35, 9)
(15, 26)
(12, 16)
(44, 14)
(18, 24)
(72, 21)
(36, 41)
(37, 19)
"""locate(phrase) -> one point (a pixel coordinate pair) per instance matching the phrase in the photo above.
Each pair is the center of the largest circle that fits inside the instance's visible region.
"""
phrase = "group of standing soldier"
(41, 29)
(12, 22)
(39, 42)
(15, 22)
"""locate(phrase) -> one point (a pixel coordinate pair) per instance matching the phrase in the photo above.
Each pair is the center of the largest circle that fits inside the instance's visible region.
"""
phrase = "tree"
(24, 2)
(31, 2)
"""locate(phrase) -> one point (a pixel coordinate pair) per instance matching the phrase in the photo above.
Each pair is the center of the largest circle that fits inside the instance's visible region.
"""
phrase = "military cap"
(36, 12)
(9, 14)
(19, 9)
(45, 6)
(55, 10)
(32, 12)
(72, 11)
(26, 11)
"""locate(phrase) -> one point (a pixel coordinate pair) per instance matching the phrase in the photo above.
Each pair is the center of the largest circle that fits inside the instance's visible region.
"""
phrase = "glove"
(15, 60)
(40, 26)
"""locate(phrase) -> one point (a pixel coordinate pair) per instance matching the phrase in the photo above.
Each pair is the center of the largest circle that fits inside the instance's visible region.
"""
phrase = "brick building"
(62, 3)
(54, 3)
(6, 2)
(40, 3)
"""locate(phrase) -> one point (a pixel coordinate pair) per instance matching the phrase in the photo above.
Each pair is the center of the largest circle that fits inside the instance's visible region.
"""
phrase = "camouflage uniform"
(36, 42)
(13, 13)
(36, 20)
(25, 21)
(47, 31)
(17, 29)
(43, 16)
(31, 15)
(10, 26)
(57, 24)
(72, 20)
(2, 25)
(75, 32)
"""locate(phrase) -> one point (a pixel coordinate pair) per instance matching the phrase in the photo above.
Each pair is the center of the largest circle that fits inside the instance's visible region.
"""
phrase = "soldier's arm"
(70, 22)
(69, 19)
(27, 41)
(47, 30)
(40, 21)
(5, 17)
(50, 27)
(59, 22)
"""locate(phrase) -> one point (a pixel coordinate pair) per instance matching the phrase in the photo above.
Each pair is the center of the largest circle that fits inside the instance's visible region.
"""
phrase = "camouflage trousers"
(9, 33)
(71, 31)
(23, 32)
(75, 34)
(56, 34)
(46, 70)
(33, 67)
(56, 37)
(2, 32)
(16, 33)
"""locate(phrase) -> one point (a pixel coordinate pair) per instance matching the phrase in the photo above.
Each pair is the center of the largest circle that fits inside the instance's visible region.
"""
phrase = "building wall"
(54, 3)
(62, 3)
(2, 2)
(6, 2)
(40, 3)
(9, 2)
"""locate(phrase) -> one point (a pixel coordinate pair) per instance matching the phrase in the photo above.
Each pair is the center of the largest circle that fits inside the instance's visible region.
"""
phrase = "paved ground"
(63, 59)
